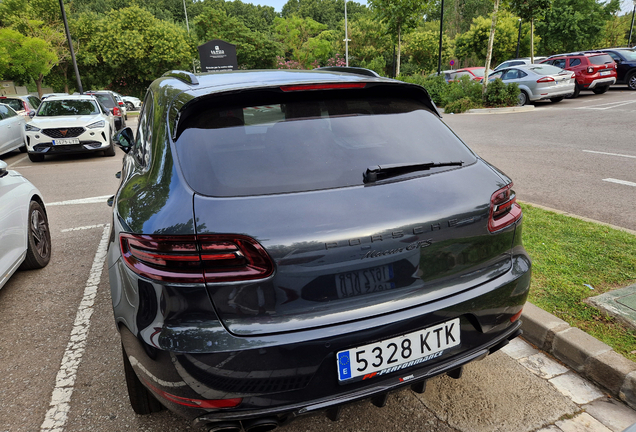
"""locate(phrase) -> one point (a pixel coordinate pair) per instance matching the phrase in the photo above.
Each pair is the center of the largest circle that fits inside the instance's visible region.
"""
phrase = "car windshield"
(16, 104)
(308, 143)
(601, 59)
(629, 55)
(51, 108)
(478, 72)
(546, 69)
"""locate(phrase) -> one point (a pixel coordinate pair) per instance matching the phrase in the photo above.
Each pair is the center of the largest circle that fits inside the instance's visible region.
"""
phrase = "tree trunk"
(39, 84)
(397, 73)
(491, 41)
(532, 40)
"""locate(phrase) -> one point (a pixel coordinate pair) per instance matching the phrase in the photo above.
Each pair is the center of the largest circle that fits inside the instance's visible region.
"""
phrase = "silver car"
(11, 130)
(538, 82)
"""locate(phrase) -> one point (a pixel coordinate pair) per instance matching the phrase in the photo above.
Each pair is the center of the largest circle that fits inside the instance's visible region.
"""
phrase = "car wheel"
(631, 82)
(523, 98)
(141, 400)
(34, 157)
(130, 106)
(39, 239)
(600, 90)
(110, 151)
(576, 91)
(556, 99)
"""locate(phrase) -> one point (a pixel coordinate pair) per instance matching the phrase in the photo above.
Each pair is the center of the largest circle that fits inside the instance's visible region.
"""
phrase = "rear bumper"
(288, 375)
(552, 95)
(599, 82)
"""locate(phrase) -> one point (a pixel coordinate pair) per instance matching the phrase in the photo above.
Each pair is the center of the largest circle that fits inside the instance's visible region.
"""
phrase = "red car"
(593, 71)
(474, 73)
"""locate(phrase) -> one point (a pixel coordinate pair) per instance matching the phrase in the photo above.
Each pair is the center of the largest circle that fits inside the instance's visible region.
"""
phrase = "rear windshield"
(16, 104)
(601, 59)
(311, 142)
(51, 108)
(105, 99)
(547, 69)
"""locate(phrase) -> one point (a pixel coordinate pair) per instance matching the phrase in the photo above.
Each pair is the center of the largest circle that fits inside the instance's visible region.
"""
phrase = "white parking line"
(606, 106)
(57, 415)
(82, 228)
(17, 162)
(609, 154)
(621, 182)
(93, 200)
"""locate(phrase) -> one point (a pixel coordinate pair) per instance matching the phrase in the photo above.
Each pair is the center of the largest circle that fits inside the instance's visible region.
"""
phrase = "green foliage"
(327, 12)
(24, 57)
(422, 49)
(459, 106)
(530, 9)
(443, 93)
(255, 17)
(302, 39)
(475, 41)
(254, 50)
(500, 94)
(573, 25)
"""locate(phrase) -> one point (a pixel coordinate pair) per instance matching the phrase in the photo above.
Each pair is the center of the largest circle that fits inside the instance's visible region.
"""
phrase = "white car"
(11, 130)
(70, 124)
(25, 240)
(132, 103)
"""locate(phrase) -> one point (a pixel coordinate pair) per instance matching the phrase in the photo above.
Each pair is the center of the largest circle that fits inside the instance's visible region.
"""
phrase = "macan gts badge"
(287, 242)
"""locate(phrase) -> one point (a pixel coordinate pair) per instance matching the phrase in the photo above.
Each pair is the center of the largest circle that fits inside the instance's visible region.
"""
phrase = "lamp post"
(346, 39)
(70, 46)
(185, 11)
(441, 29)
(519, 39)
(629, 41)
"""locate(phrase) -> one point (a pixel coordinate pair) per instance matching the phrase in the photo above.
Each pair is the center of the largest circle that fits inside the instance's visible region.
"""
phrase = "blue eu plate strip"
(344, 365)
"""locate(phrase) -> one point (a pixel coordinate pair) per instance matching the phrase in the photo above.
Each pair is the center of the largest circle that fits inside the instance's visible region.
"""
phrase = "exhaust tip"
(224, 427)
(260, 425)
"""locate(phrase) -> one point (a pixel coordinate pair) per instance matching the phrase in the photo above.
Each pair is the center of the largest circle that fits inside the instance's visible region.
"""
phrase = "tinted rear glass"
(16, 104)
(105, 99)
(547, 69)
(312, 142)
(601, 59)
(51, 108)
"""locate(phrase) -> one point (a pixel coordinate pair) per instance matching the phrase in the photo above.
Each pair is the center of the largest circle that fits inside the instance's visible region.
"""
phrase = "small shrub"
(498, 94)
(459, 106)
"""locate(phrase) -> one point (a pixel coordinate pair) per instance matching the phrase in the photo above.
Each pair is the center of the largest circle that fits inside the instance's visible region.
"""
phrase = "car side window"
(510, 74)
(574, 62)
(615, 56)
(35, 102)
(3, 110)
(560, 63)
(6, 112)
(521, 74)
(141, 148)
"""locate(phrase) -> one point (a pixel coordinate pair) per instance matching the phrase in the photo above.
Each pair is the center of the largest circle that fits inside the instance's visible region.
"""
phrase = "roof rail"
(186, 77)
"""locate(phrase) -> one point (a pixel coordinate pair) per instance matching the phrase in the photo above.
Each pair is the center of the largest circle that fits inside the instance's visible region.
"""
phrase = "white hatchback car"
(70, 124)
(11, 130)
(25, 239)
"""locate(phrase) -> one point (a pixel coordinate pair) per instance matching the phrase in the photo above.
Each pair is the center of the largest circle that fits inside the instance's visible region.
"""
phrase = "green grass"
(568, 254)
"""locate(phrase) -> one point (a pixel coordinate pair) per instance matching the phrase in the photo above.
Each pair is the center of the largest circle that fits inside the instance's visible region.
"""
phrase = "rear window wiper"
(381, 172)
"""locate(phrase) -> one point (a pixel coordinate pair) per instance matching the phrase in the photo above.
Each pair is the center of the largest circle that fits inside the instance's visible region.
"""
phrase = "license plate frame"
(605, 72)
(390, 355)
(65, 141)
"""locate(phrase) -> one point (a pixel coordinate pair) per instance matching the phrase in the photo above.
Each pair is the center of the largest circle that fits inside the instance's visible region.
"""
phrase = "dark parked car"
(286, 242)
(107, 99)
(625, 66)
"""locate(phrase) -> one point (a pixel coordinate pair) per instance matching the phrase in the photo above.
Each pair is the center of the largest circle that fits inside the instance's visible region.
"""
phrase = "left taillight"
(116, 111)
(545, 79)
(196, 259)
(504, 210)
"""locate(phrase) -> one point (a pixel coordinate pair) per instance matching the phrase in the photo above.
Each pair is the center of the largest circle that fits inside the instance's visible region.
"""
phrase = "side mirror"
(3, 169)
(124, 139)
(32, 113)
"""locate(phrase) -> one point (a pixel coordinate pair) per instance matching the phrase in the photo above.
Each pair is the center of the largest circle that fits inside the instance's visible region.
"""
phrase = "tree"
(301, 38)
(422, 49)
(328, 12)
(22, 57)
(573, 25)
(399, 16)
(529, 10)
(254, 50)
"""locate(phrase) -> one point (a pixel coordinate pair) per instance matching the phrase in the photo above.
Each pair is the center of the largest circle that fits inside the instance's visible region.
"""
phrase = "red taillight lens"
(116, 111)
(573, 75)
(545, 79)
(504, 209)
(196, 259)
(120, 103)
(590, 69)
(333, 86)
(26, 107)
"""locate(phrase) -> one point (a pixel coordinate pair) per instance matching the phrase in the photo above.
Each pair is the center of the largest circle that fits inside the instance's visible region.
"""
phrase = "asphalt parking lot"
(60, 352)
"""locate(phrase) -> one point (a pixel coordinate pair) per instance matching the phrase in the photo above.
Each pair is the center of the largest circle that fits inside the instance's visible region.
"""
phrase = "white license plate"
(401, 352)
(66, 141)
(606, 72)
(367, 281)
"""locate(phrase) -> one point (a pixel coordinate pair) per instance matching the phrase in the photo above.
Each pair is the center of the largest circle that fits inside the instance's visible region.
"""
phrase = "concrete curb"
(506, 110)
(591, 358)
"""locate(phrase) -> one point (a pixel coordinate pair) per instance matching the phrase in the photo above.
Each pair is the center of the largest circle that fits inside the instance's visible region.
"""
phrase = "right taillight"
(196, 259)
(116, 111)
(504, 209)
(545, 79)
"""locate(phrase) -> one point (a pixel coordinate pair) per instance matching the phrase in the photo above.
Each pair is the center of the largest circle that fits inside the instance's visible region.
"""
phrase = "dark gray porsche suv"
(286, 242)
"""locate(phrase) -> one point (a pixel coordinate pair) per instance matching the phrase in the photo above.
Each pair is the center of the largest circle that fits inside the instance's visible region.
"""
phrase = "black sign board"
(217, 55)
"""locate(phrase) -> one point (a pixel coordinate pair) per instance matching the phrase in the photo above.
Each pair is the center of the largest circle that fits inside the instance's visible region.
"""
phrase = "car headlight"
(99, 124)
(30, 128)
